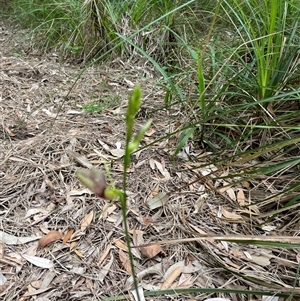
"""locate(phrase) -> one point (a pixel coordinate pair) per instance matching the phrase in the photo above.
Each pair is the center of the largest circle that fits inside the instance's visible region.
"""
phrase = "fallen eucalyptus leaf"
(39, 261)
(158, 200)
(14, 240)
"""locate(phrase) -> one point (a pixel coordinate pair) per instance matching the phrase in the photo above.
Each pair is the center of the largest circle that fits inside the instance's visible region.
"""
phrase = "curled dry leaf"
(152, 251)
(50, 237)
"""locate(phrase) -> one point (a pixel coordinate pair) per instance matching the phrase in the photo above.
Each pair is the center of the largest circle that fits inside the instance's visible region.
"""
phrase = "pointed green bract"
(133, 107)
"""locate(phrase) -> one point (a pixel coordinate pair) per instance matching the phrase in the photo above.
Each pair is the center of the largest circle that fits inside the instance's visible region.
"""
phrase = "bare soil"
(46, 136)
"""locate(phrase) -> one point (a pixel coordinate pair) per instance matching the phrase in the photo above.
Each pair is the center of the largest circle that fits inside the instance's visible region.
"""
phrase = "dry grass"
(42, 134)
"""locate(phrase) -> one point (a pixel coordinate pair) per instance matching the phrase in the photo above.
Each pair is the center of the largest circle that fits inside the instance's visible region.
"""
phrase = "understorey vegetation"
(227, 110)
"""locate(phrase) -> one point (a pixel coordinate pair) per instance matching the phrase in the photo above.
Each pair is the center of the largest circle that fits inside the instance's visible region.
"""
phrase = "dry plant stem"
(233, 238)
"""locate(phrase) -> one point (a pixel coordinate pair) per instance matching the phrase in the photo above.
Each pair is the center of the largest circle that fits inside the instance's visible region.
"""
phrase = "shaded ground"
(46, 137)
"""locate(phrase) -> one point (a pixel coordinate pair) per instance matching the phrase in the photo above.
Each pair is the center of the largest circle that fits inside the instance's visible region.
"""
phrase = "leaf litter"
(82, 250)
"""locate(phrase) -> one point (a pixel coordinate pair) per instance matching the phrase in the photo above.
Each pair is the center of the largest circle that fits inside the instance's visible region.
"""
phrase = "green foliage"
(88, 29)
(271, 42)
(54, 23)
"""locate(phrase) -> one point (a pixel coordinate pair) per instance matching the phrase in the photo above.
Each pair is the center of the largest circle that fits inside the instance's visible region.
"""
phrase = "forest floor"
(46, 135)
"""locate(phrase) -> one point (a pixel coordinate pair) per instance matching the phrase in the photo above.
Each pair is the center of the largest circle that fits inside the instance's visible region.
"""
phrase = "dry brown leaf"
(80, 159)
(201, 232)
(150, 132)
(4, 286)
(231, 193)
(241, 197)
(162, 169)
(120, 244)
(125, 261)
(136, 231)
(158, 200)
(171, 278)
(104, 270)
(89, 283)
(246, 184)
(36, 292)
(79, 254)
(108, 209)
(9, 132)
(68, 235)
(137, 237)
(50, 237)
(230, 215)
(147, 220)
(261, 260)
(87, 220)
(104, 254)
(73, 244)
(117, 152)
(152, 251)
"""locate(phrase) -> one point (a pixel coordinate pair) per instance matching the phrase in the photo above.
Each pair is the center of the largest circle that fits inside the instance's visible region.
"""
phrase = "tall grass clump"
(241, 93)
(97, 29)
(271, 41)
(54, 24)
